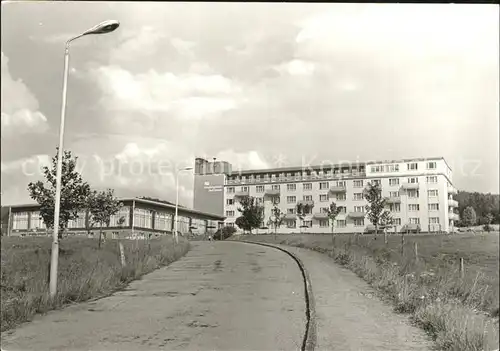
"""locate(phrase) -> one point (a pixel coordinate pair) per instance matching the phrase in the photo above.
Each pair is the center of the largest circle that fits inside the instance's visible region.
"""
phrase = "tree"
(302, 210)
(89, 224)
(74, 192)
(489, 218)
(102, 205)
(469, 216)
(332, 212)
(376, 205)
(120, 221)
(483, 204)
(276, 219)
(386, 220)
(252, 214)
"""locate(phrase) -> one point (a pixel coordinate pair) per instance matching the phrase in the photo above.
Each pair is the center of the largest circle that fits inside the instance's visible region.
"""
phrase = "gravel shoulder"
(349, 315)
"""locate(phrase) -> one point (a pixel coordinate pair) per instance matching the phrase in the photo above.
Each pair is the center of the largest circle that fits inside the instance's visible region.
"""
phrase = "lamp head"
(103, 27)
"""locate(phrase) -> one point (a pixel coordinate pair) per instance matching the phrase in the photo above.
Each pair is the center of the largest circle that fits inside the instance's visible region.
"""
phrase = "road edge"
(309, 340)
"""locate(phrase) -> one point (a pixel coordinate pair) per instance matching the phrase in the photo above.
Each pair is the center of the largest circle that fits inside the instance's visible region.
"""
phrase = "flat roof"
(128, 199)
(329, 165)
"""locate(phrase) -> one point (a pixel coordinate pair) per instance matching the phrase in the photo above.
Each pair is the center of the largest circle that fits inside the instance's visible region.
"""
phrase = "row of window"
(325, 172)
(360, 222)
(395, 208)
(389, 168)
(411, 193)
(340, 184)
(142, 218)
(412, 166)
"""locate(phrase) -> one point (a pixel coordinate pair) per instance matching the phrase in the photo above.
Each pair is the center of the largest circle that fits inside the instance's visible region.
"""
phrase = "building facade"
(137, 218)
(419, 192)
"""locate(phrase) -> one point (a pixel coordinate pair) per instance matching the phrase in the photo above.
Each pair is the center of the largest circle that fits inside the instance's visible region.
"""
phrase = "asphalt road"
(220, 296)
(228, 296)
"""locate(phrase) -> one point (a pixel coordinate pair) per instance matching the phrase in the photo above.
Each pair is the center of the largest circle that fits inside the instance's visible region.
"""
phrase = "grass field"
(459, 310)
(85, 271)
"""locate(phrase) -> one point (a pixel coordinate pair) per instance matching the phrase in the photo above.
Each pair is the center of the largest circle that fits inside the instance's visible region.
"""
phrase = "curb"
(309, 340)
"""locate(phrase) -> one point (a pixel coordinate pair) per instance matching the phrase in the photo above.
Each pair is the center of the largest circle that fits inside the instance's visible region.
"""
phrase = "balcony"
(410, 186)
(241, 193)
(357, 215)
(272, 192)
(452, 203)
(452, 190)
(394, 200)
(320, 216)
(291, 216)
(338, 189)
(453, 216)
(411, 227)
(309, 203)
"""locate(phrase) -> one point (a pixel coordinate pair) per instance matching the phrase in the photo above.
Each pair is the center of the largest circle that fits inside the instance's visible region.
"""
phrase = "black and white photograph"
(249, 176)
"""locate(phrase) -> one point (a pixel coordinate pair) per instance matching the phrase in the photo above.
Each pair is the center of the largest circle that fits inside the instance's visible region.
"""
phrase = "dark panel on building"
(209, 193)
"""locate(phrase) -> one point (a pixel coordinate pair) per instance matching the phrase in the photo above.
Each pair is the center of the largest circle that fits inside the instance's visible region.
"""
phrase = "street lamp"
(101, 28)
(177, 200)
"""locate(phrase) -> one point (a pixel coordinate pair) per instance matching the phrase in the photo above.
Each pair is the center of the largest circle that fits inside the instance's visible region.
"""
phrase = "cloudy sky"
(259, 85)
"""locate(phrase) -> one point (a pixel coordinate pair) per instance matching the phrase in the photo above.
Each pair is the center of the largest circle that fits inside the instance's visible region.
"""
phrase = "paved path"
(348, 315)
(220, 296)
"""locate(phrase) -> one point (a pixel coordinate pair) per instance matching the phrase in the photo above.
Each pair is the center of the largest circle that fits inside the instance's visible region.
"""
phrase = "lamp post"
(101, 28)
(177, 201)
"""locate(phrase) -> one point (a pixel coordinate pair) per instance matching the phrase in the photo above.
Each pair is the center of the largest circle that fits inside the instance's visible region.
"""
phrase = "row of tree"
(252, 213)
(76, 196)
(486, 208)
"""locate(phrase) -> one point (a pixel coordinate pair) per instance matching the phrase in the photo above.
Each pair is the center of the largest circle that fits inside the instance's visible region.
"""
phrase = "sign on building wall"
(212, 188)
(209, 193)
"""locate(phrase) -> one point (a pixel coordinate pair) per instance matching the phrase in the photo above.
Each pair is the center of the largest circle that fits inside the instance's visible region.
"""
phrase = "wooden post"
(402, 244)
(122, 255)
(461, 269)
(415, 250)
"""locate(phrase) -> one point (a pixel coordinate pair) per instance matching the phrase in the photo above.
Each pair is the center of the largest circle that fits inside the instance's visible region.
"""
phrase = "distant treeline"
(482, 204)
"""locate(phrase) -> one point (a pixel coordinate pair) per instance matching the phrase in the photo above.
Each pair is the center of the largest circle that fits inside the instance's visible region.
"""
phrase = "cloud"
(185, 95)
(387, 29)
(144, 167)
(136, 44)
(243, 160)
(296, 67)
(20, 112)
(28, 166)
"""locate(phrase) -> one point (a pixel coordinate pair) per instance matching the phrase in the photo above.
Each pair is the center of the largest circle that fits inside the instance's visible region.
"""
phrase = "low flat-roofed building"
(141, 217)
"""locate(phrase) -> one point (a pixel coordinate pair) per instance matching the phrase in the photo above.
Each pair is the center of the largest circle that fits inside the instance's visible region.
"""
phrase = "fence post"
(122, 254)
(402, 244)
(461, 269)
(415, 249)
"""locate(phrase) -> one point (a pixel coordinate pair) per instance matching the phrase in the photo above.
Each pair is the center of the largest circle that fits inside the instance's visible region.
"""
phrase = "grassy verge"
(85, 272)
(459, 309)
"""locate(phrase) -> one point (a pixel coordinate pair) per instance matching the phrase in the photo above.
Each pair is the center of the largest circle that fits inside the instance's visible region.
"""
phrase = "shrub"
(487, 228)
(226, 232)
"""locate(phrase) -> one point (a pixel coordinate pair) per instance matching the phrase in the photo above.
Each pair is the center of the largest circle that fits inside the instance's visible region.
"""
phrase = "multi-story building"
(419, 192)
